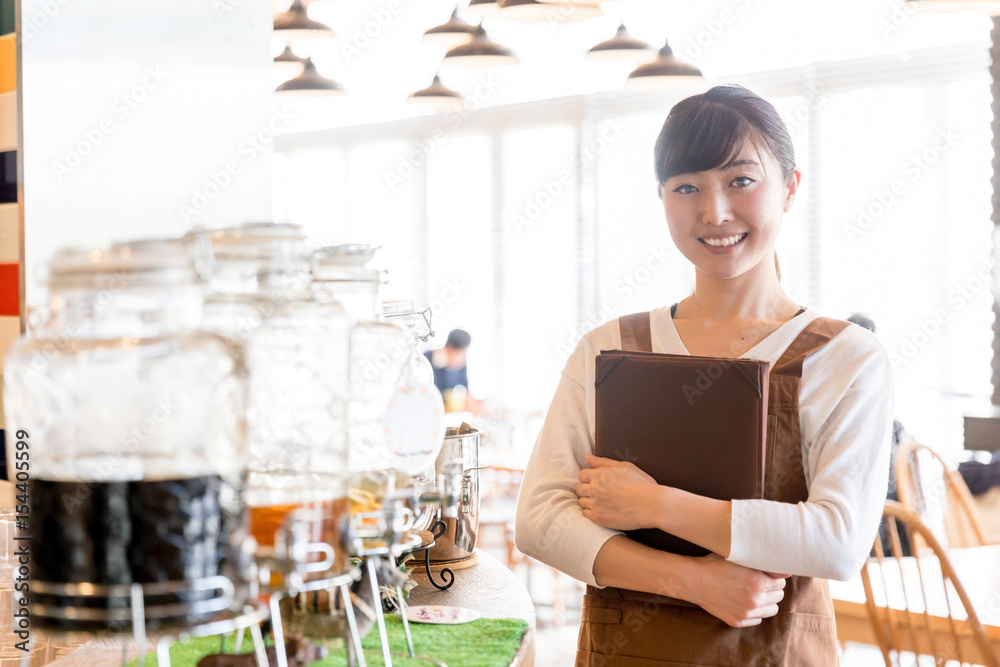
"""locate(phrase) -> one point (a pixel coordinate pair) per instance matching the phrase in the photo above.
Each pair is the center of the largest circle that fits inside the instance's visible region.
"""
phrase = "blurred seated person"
(451, 375)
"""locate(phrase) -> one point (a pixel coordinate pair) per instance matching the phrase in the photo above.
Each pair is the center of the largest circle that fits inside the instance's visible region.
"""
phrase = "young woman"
(726, 172)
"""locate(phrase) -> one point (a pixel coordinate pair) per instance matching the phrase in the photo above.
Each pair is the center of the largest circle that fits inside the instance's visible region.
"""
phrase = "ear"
(792, 187)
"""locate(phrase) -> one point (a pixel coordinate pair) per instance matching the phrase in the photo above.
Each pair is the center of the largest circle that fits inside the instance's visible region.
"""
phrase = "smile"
(724, 242)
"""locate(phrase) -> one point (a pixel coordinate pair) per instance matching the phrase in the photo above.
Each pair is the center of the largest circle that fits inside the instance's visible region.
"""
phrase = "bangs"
(710, 138)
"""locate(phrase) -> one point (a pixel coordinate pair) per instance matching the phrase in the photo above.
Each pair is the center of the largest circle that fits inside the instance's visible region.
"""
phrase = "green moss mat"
(485, 642)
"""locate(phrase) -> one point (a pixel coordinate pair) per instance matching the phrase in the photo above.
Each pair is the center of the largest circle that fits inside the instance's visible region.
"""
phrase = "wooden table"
(492, 590)
(979, 572)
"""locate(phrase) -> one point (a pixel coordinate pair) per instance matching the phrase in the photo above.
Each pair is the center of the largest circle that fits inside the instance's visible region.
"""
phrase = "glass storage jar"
(130, 424)
(297, 352)
(380, 352)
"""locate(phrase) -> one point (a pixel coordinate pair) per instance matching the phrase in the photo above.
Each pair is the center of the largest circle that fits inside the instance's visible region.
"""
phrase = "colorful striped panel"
(10, 289)
(10, 329)
(10, 248)
(8, 64)
(8, 121)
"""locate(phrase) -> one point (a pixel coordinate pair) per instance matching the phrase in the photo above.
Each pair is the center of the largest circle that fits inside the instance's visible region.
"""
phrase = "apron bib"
(622, 628)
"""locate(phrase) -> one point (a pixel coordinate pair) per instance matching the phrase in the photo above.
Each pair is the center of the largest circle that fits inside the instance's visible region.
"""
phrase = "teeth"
(726, 241)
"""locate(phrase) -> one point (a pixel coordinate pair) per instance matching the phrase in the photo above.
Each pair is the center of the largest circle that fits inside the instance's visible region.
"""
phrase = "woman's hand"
(737, 595)
(617, 494)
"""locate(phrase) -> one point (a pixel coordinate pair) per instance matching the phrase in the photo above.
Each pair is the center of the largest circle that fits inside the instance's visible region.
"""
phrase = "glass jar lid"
(345, 263)
(130, 263)
(273, 245)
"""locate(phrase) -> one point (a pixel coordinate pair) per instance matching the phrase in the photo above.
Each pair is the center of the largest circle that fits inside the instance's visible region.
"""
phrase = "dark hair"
(706, 132)
(458, 339)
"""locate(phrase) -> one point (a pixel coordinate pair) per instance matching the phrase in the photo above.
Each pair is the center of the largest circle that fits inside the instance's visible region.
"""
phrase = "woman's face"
(725, 220)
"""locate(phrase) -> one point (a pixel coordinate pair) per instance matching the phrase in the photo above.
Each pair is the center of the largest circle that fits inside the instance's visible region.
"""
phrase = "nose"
(715, 209)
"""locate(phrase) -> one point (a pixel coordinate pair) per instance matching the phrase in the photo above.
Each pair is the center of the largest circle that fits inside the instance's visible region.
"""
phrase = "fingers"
(600, 461)
(765, 583)
(762, 612)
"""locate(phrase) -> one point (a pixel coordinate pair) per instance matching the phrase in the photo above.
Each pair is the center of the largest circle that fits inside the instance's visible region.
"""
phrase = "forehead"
(749, 156)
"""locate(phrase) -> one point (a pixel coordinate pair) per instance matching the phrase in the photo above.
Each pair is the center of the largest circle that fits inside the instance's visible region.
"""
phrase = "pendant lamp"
(450, 34)
(622, 47)
(310, 84)
(295, 24)
(566, 11)
(437, 96)
(991, 7)
(289, 65)
(479, 9)
(480, 52)
(666, 72)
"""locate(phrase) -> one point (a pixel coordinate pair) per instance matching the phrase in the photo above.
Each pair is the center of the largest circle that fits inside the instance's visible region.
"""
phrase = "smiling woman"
(726, 174)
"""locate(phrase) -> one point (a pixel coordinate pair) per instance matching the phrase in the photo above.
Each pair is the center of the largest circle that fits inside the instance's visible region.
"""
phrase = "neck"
(755, 295)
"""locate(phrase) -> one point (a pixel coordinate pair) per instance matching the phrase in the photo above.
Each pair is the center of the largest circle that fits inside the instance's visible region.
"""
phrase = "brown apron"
(622, 628)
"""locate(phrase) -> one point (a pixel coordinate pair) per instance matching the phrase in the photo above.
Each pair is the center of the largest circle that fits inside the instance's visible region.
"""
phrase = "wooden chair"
(924, 583)
(939, 495)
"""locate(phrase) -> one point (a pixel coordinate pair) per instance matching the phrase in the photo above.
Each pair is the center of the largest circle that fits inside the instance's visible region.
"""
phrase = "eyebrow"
(741, 163)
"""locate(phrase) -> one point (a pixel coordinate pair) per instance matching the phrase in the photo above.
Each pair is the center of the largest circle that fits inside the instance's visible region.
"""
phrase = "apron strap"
(635, 333)
(816, 334)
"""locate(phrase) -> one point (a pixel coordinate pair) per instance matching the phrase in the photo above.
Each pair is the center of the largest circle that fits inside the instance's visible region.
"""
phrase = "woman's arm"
(619, 495)
(550, 525)
(739, 596)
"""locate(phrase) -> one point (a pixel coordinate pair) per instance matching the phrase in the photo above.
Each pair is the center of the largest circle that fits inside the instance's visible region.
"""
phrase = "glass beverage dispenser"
(297, 353)
(132, 424)
(379, 356)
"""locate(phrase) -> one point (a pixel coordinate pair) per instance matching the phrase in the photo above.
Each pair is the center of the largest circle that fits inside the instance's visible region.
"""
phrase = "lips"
(724, 241)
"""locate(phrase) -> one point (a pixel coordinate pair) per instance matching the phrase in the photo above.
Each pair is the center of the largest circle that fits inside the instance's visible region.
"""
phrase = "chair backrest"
(928, 486)
(912, 601)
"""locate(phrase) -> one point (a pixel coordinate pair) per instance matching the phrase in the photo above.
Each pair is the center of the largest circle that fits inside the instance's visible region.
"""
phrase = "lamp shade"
(288, 64)
(532, 10)
(622, 47)
(450, 34)
(666, 72)
(295, 24)
(310, 84)
(480, 52)
(991, 7)
(479, 9)
(437, 96)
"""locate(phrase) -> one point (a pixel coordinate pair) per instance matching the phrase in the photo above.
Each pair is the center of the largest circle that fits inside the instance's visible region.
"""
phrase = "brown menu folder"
(694, 423)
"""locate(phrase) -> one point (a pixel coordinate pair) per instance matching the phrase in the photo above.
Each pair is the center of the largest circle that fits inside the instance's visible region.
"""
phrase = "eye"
(685, 189)
(742, 181)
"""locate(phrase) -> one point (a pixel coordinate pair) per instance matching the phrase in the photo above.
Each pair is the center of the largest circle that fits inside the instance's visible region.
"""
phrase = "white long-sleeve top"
(845, 411)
